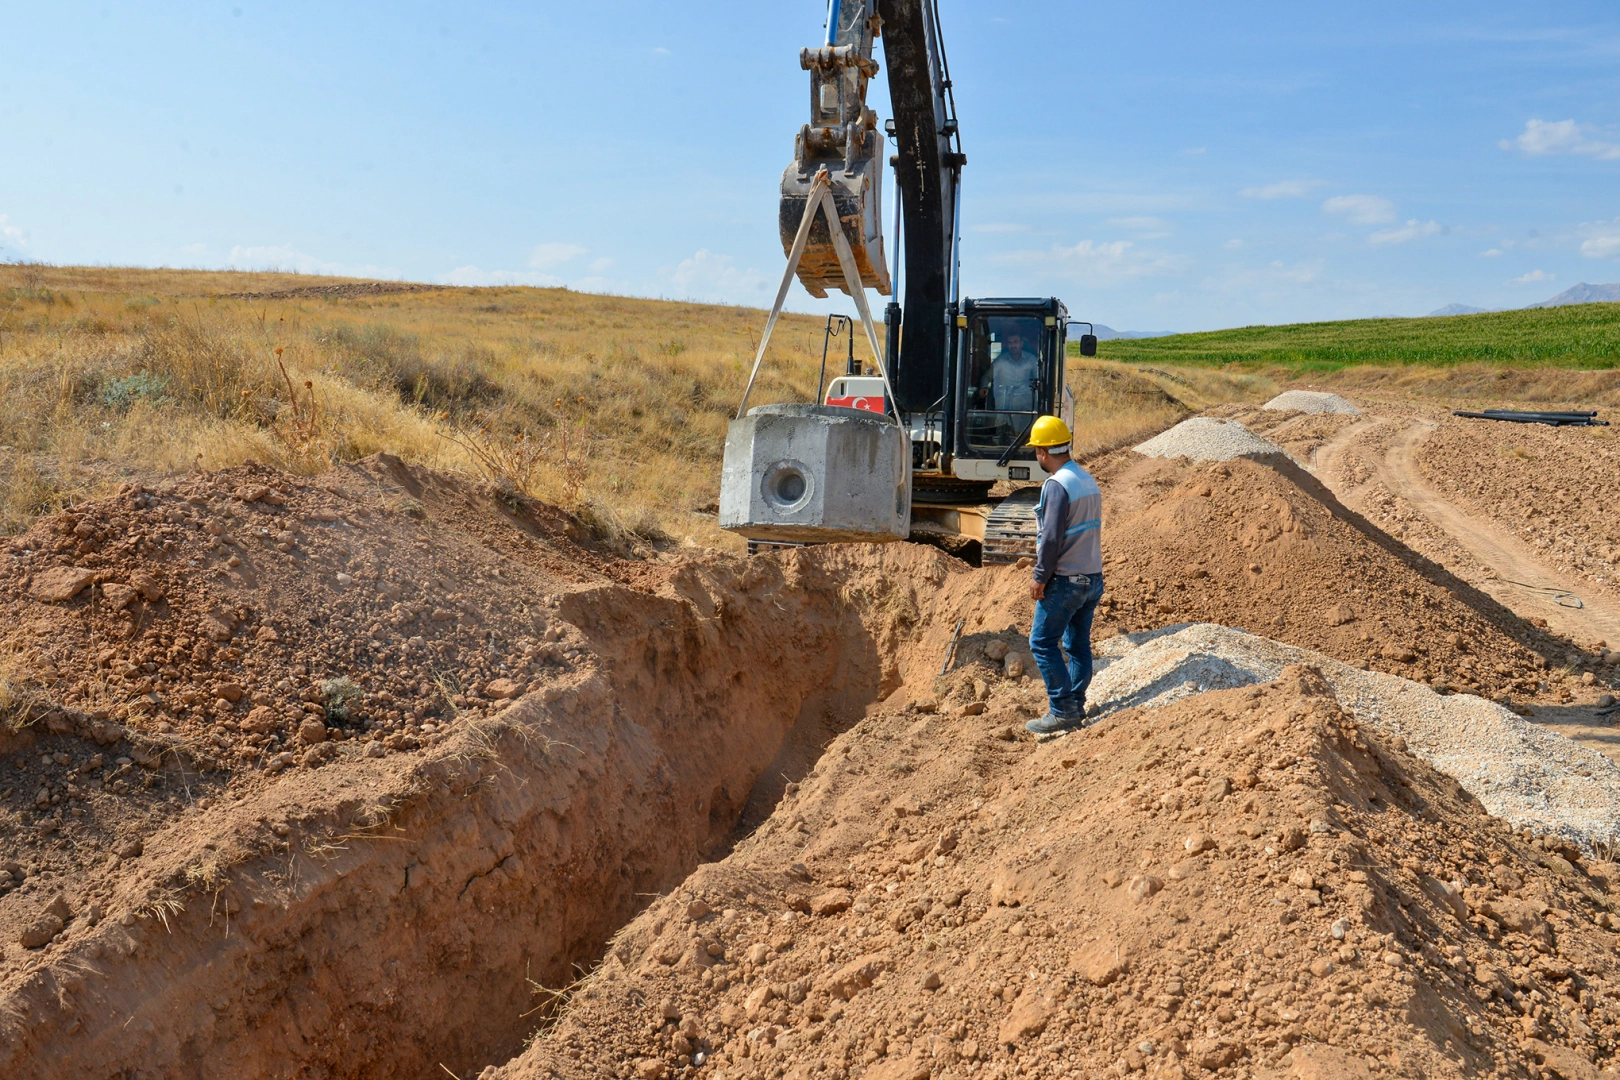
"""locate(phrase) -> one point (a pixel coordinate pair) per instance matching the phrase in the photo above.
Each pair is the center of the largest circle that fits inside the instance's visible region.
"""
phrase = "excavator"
(965, 378)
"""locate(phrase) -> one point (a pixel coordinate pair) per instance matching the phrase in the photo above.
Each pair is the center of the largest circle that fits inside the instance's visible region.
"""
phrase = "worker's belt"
(1082, 580)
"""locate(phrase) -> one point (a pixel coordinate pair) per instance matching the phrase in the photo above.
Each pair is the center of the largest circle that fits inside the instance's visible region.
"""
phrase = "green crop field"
(1576, 336)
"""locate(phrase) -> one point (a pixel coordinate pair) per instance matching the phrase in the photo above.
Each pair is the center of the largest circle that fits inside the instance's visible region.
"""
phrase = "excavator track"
(1010, 531)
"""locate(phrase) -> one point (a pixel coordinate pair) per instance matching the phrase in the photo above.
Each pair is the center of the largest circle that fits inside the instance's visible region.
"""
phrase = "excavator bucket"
(843, 138)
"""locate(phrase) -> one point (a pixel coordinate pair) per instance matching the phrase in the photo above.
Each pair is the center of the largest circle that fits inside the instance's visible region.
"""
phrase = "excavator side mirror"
(1088, 344)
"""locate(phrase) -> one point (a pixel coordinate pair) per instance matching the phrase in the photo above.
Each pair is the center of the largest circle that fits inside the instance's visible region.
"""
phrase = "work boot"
(1053, 724)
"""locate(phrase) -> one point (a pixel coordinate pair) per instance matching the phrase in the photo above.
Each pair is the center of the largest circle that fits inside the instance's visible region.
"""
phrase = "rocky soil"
(1243, 883)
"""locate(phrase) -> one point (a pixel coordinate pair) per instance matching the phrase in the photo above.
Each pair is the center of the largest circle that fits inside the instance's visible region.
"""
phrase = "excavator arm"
(842, 136)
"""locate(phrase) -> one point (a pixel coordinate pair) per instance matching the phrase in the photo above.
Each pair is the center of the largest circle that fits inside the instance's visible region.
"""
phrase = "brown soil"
(1265, 547)
(200, 888)
(1242, 884)
(541, 737)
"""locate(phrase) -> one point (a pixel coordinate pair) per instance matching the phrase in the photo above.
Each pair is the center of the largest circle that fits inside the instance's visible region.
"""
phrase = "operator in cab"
(1009, 385)
(1068, 579)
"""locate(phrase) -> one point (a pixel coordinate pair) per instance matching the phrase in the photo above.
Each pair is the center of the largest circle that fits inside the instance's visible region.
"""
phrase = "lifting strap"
(821, 200)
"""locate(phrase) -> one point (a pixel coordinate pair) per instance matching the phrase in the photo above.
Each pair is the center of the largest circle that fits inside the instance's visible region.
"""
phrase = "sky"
(1157, 165)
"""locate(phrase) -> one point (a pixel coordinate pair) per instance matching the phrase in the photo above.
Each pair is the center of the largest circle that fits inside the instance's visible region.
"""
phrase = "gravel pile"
(1311, 401)
(1519, 772)
(1205, 438)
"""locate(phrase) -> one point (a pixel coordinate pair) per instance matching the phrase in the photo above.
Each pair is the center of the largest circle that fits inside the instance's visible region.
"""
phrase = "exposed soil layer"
(184, 897)
(1244, 883)
(337, 777)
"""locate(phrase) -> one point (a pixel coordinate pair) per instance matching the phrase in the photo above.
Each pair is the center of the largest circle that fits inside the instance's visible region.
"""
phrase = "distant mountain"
(1583, 294)
(1458, 309)
(1106, 333)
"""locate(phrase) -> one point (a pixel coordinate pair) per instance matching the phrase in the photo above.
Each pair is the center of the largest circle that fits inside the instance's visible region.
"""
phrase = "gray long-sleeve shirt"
(1070, 519)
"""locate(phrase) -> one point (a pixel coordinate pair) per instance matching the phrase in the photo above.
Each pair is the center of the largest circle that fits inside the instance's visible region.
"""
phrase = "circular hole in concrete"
(787, 485)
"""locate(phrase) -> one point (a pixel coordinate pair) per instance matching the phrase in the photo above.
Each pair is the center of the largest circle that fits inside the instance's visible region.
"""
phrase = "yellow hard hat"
(1050, 431)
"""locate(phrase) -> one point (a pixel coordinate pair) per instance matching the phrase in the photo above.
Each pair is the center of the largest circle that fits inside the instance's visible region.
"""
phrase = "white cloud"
(660, 50)
(195, 249)
(1096, 265)
(1233, 244)
(478, 278)
(11, 235)
(1602, 240)
(1283, 189)
(600, 265)
(710, 276)
(1148, 228)
(547, 256)
(1410, 231)
(283, 258)
(1532, 277)
(1491, 253)
(1361, 209)
(1541, 138)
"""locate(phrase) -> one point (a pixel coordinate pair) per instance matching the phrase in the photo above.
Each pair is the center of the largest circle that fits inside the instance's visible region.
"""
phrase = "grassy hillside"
(1577, 336)
(614, 408)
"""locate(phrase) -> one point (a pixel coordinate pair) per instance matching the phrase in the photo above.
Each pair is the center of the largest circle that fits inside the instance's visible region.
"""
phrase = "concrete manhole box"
(816, 474)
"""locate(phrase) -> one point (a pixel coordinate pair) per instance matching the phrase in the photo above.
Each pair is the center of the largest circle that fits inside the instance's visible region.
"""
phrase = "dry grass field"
(614, 408)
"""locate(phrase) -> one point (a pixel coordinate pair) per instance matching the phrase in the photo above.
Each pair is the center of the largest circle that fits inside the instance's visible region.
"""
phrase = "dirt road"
(1507, 569)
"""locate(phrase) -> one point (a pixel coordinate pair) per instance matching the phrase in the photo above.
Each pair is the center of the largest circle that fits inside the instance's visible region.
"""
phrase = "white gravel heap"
(1205, 438)
(1522, 773)
(1311, 401)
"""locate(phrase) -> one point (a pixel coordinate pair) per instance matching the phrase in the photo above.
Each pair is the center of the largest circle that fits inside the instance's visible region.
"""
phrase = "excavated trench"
(407, 913)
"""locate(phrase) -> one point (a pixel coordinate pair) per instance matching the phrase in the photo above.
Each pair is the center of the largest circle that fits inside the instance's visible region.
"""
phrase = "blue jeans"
(1063, 626)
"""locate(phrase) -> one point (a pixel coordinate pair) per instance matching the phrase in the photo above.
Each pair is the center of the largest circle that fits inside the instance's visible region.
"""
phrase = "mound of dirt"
(1311, 401)
(1264, 547)
(1521, 772)
(1556, 488)
(1246, 883)
(1206, 438)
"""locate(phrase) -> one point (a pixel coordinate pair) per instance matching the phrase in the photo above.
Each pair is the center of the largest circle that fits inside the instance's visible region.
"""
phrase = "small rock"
(39, 932)
(1605, 700)
(1291, 839)
(311, 731)
(1340, 928)
(697, 909)
(972, 708)
(149, 587)
(995, 650)
(1142, 886)
(1393, 959)
(215, 629)
(1100, 962)
(930, 981)
(132, 850)
(501, 689)
(61, 583)
(1013, 667)
(1197, 843)
(831, 902)
(758, 953)
(1321, 967)
(1302, 879)
(116, 596)
(926, 705)
(649, 1069)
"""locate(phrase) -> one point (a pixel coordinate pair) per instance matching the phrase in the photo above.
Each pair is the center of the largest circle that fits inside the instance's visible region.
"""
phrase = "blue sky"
(1166, 165)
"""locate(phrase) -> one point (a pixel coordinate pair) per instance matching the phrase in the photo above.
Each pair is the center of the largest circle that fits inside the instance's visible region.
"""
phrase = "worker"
(1009, 385)
(1068, 577)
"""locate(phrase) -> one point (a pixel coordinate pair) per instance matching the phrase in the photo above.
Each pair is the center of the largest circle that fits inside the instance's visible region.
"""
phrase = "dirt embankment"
(1244, 883)
(1555, 488)
(185, 896)
(1265, 547)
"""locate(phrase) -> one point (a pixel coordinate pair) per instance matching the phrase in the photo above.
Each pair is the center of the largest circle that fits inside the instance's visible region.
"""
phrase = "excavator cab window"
(1008, 372)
